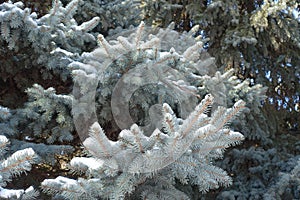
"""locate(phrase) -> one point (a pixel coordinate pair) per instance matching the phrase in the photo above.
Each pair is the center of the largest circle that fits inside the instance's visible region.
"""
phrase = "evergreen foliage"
(142, 100)
(111, 13)
(259, 39)
(14, 165)
(151, 164)
(149, 60)
(186, 69)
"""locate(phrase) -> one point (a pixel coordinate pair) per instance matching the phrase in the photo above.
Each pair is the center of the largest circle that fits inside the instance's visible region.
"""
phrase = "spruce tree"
(154, 105)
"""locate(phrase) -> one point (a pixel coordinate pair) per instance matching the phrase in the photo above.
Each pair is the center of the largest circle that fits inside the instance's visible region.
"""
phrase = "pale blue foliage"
(14, 165)
(57, 43)
(4, 113)
(229, 89)
(152, 164)
(112, 13)
(45, 115)
(73, 189)
(256, 171)
(47, 34)
(138, 69)
(5, 127)
(45, 152)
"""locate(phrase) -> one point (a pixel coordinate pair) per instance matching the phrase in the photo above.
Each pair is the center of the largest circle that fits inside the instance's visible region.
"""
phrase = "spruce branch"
(139, 34)
(89, 25)
(14, 165)
(71, 9)
(4, 142)
(135, 160)
(18, 162)
(104, 147)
